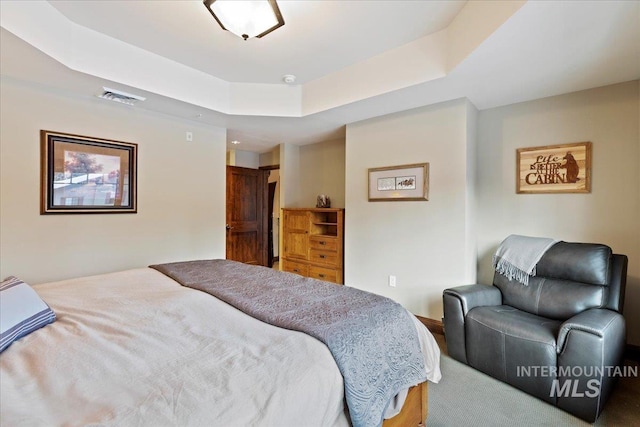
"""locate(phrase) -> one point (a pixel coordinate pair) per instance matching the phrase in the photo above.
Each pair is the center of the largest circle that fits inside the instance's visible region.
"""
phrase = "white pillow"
(22, 311)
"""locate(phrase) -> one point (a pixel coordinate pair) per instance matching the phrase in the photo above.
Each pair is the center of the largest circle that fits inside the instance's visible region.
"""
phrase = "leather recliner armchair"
(559, 339)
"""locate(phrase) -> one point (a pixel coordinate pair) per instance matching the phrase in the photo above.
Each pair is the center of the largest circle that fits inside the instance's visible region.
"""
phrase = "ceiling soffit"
(87, 51)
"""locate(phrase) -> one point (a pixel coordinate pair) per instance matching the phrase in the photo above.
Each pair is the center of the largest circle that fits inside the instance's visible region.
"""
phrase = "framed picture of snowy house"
(83, 174)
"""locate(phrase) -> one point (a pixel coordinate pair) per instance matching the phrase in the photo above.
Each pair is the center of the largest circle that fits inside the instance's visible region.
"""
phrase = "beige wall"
(610, 214)
(270, 158)
(426, 244)
(322, 171)
(243, 159)
(181, 190)
(289, 176)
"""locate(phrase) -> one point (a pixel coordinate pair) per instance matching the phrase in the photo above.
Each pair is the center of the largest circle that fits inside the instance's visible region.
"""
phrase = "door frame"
(270, 258)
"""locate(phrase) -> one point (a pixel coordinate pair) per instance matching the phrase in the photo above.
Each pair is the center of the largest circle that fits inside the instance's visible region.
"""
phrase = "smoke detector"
(120, 96)
(289, 78)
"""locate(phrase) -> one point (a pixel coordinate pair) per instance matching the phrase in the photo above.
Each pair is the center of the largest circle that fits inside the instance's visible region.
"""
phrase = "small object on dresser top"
(323, 201)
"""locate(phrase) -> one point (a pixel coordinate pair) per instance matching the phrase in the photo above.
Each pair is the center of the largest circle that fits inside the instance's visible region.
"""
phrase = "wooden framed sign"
(554, 169)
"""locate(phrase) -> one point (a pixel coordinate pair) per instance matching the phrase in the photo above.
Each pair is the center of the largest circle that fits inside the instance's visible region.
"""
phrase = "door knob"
(228, 227)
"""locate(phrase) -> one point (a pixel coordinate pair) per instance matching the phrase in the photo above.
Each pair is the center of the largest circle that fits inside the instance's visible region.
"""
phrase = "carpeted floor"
(467, 397)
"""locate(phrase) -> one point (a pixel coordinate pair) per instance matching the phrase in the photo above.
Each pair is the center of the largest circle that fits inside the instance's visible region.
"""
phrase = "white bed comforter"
(136, 348)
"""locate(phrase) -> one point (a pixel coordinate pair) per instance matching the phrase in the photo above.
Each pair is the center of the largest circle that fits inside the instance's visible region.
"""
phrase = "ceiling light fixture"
(235, 142)
(246, 19)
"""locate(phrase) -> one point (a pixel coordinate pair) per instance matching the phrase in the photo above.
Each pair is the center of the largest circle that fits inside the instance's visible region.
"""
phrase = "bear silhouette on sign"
(572, 167)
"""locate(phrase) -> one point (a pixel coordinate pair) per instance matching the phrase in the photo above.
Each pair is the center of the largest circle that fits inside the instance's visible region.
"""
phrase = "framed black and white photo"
(399, 183)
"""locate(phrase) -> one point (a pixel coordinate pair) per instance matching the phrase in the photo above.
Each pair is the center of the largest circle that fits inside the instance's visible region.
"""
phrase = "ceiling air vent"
(119, 96)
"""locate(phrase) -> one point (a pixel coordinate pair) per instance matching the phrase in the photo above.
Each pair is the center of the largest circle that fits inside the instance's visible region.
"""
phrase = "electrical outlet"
(392, 281)
(189, 136)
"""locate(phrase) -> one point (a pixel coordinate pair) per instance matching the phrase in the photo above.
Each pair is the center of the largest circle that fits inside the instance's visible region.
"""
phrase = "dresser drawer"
(295, 267)
(325, 274)
(324, 257)
(323, 243)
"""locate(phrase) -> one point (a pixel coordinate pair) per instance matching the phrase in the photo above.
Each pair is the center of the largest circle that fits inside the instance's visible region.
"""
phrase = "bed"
(138, 348)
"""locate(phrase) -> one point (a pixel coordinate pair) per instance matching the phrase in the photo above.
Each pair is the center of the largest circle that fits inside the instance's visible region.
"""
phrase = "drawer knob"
(323, 256)
(295, 270)
(323, 243)
(321, 275)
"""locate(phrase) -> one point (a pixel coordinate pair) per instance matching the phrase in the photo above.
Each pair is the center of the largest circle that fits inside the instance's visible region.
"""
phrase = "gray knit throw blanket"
(372, 338)
(517, 256)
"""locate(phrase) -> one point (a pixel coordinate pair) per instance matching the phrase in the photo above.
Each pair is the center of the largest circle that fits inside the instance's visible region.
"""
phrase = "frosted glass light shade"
(246, 19)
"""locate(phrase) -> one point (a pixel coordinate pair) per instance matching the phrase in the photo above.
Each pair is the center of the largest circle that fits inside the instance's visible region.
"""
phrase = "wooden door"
(247, 215)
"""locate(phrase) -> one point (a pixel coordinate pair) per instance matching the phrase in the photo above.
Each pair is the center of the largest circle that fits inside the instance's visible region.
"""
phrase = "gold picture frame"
(399, 183)
(564, 168)
(81, 174)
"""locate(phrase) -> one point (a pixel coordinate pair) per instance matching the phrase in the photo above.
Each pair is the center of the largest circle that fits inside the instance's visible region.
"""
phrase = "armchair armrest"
(589, 346)
(598, 322)
(456, 304)
(471, 296)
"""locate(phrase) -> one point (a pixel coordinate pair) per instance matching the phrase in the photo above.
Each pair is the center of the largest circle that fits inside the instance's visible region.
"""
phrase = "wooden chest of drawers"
(313, 243)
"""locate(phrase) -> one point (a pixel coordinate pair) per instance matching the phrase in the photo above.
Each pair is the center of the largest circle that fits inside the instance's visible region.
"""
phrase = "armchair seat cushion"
(501, 340)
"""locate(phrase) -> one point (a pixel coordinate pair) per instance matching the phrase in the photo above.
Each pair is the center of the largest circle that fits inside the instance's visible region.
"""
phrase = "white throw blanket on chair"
(517, 256)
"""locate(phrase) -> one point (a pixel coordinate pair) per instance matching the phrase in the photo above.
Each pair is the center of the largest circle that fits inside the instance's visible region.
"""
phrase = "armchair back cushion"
(571, 278)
